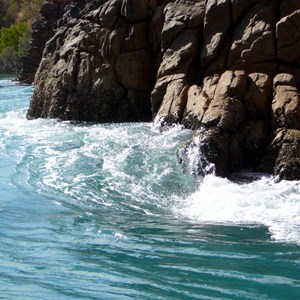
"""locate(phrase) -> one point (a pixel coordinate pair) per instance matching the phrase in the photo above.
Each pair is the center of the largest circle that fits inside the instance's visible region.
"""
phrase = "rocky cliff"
(228, 69)
(42, 30)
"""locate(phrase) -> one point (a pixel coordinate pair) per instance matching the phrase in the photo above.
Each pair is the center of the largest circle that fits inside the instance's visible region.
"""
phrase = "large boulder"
(226, 110)
(135, 10)
(206, 153)
(257, 99)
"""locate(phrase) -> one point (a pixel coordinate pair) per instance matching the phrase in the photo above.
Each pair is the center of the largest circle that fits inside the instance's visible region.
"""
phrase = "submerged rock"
(228, 69)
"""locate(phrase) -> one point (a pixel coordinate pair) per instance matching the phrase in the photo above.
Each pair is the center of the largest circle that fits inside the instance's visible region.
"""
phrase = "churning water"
(91, 211)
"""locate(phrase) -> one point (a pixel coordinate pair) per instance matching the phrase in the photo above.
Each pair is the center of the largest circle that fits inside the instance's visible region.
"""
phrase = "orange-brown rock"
(179, 43)
(254, 39)
(286, 102)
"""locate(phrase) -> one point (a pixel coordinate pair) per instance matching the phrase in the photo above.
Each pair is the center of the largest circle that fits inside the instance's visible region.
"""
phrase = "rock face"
(42, 30)
(228, 69)
(283, 154)
(98, 66)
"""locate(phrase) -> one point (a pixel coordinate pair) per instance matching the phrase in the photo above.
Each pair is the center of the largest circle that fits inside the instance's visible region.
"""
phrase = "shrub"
(14, 41)
(20, 10)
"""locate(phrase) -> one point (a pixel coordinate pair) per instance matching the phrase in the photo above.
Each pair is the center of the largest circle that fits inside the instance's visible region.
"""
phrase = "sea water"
(105, 211)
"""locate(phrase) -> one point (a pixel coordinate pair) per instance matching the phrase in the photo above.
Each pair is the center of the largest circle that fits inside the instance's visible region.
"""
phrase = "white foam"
(275, 205)
(59, 146)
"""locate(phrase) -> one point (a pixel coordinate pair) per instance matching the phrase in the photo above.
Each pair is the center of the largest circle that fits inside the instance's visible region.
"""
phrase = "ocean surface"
(91, 211)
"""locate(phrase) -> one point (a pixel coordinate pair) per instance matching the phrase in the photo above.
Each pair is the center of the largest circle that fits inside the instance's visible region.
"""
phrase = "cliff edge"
(228, 69)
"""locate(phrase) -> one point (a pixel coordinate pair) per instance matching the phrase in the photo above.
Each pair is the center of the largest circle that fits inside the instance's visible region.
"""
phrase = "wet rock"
(199, 99)
(206, 153)
(255, 140)
(237, 104)
(174, 101)
(283, 155)
(212, 151)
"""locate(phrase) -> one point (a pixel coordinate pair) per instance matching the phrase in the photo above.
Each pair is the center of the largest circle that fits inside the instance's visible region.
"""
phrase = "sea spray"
(261, 202)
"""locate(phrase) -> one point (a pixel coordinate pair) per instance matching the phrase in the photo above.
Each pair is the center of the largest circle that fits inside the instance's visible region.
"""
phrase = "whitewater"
(105, 211)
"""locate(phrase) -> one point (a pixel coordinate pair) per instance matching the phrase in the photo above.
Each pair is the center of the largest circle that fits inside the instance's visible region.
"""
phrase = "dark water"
(105, 212)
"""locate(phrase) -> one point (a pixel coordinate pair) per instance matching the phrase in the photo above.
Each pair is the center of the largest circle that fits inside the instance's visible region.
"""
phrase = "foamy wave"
(275, 205)
(90, 162)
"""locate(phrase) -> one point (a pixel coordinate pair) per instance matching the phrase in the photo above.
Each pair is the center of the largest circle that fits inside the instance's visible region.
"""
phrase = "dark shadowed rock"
(258, 97)
(288, 37)
(215, 35)
(135, 10)
(42, 30)
(282, 157)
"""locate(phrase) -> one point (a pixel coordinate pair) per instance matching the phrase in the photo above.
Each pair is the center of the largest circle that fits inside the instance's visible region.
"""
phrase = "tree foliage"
(17, 16)
(24, 10)
(13, 44)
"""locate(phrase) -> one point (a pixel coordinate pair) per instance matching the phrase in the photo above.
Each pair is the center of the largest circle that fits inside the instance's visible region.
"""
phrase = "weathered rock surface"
(42, 30)
(228, 69)
(283, 154)
(180, 30)
(288, 42)
(98, 65)
(286, 102)
(232, 110)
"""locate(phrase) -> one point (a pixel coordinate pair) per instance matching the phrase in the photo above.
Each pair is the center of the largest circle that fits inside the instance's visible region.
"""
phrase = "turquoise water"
(93, 211)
